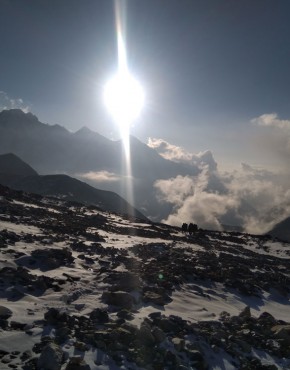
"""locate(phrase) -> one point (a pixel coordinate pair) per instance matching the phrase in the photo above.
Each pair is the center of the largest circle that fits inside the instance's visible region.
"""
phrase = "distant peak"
(87, 133)
(84, 131)
(18, 113)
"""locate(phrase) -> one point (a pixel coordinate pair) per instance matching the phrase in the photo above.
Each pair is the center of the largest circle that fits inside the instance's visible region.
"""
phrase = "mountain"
(82, 288)
(68, 188)
(54, 150)
(12, 169)
(20, 176)
(281, 230)
(12, 165)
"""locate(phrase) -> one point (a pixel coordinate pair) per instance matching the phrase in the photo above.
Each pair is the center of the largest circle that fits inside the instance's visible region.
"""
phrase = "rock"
(156, 298)
(125, 314)
(145, 336)
(50, 357)
(224, 315)
(3, 324)
(5, 313)
(62, 334)
(155, 315)
(31, 364)
(195, 355)
(6, 359)
(122, 335)
(158, 334)
(171, 360)
(245, 346)
(26, 355)
(99, 315)
(119, 299)
(282, 332)
(266, 318)
(15, 325)
(81, 346)
(168, 325)
(54, 316)
(246, 313)
(77, 363)
(127, 282)
(178, 343)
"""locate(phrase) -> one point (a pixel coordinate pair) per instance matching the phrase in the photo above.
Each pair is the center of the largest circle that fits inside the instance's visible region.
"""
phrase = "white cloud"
(100, 176)
(256, 199)
(174, 190)
(271, 120)
(193, 202)
(204, 209)
(274, 140)
(7, 102)
(180, 155)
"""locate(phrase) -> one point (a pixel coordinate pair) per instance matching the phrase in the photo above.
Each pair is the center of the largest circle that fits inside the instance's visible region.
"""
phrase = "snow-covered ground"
(77, 260)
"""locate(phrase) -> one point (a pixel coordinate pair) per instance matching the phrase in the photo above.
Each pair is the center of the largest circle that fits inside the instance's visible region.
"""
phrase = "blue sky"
(208, 67)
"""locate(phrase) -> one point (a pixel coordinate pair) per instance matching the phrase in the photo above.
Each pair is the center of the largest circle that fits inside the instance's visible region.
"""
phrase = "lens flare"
(124, 97)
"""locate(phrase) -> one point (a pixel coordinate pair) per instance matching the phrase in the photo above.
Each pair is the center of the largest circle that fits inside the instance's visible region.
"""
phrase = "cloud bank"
(275, 136)
(254, 199)
(7, 102)
(99, 177)
(177, 154)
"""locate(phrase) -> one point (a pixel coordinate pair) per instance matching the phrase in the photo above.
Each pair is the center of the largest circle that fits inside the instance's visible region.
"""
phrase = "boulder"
(119, 299)
(246, 313)
(5, 313)
(50, 357)
(145, 336)
(99, 315)
(77, 363)
(156, 298)
(282, 332)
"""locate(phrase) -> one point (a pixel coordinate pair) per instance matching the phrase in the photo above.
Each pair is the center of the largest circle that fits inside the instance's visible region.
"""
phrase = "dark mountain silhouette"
(53, 150)
(12, 165)
(73, 189)
(281, 230)
(20, 176)
(13, 169)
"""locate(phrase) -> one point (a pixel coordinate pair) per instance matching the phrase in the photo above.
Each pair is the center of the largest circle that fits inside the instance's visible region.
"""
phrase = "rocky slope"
(86, 289)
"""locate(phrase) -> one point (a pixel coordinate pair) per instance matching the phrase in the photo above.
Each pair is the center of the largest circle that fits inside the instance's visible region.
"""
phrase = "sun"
(124, 99)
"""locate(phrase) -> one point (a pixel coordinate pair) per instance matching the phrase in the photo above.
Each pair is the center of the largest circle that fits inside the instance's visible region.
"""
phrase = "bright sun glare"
(124, 98)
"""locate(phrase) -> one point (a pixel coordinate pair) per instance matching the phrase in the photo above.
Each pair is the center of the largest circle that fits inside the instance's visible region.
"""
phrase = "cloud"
(100, 176)
(271, 120)
(7, 102)
(274, 137)
(174, 190)
(193, 202)
(265, 197)
(255, 199)
(180, 155)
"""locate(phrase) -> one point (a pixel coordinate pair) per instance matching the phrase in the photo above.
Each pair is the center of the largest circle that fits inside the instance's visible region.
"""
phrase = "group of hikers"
(190, 229)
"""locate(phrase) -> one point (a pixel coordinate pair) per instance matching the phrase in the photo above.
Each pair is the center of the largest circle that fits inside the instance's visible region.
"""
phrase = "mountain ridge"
(18, 175)
(53, 150)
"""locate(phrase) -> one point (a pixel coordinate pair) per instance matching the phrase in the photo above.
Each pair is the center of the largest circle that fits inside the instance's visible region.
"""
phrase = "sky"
(216, 74)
